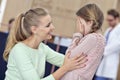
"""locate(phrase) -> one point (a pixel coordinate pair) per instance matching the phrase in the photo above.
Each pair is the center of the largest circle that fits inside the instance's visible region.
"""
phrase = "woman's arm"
(70, 64)
(28, 71)
(52, 56)
(25, 66)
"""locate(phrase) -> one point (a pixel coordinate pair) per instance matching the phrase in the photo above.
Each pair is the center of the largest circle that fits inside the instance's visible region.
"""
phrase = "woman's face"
(45, 28)
(86, 25)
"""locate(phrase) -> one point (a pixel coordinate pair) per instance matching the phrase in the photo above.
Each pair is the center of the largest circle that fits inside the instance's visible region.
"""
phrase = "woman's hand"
(70, 64)
(75, 62)
(80, 26)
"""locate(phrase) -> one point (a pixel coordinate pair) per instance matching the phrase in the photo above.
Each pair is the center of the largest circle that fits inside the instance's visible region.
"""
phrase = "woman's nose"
(52, 27)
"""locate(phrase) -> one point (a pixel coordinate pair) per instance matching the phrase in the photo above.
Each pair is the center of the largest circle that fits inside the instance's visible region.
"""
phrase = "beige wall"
(13, 8)
(62, 11)
(0, 1)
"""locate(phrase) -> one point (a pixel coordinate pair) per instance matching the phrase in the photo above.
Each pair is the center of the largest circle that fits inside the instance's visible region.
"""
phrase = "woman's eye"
(48, 25)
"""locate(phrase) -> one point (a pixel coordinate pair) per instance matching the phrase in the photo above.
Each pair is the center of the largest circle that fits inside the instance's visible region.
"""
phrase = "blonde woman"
(26, 54)
(88, 40)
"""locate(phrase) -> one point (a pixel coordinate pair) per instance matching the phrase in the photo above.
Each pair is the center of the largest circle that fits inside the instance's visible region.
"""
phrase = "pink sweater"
(93, 45)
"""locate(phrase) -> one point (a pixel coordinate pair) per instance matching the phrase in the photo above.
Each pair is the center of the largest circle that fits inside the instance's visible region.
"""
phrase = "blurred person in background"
(10, 23)
(109, 66)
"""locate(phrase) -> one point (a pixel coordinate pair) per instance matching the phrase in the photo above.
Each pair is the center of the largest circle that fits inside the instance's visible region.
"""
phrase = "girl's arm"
(76, 38)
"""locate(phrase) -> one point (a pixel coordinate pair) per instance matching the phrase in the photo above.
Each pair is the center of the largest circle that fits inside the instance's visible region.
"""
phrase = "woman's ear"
(33, 29)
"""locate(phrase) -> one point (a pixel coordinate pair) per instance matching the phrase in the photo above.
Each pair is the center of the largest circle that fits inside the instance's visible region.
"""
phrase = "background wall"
(12, 9)
(62, 11)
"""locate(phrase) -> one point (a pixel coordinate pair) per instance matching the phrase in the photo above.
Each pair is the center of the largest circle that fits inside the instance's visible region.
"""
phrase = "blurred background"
(62, 11)
(64, 19)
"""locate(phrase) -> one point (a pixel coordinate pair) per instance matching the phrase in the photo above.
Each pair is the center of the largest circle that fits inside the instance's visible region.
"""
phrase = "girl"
(87, 40)
(26, 54)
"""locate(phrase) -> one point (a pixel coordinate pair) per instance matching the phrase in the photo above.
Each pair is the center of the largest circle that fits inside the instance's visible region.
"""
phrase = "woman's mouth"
(50, 33)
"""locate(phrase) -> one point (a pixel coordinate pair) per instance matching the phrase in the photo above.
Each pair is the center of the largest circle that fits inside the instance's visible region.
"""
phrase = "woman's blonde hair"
(91, 12)
(21, 29)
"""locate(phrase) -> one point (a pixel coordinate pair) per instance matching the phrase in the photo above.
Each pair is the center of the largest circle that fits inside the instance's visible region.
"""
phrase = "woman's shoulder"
(17, 47)
(17, 50)
(22, 47)
(43, 46)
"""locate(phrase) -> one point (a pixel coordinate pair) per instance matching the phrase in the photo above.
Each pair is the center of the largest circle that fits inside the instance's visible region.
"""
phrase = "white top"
(109, 65)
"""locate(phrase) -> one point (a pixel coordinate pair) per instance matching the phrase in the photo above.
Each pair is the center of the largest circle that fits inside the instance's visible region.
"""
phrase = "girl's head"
(35, 23)
(91, 16)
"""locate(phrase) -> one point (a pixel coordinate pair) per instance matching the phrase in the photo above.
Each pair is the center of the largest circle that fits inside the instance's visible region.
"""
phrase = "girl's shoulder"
(95, 35)
(94, 38)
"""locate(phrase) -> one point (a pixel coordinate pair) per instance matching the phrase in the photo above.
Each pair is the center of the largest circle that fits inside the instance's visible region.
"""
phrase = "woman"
(26, 54)
(87, 40)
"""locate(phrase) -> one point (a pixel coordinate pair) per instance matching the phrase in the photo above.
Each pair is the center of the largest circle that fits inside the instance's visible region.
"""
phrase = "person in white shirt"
(110, 62)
